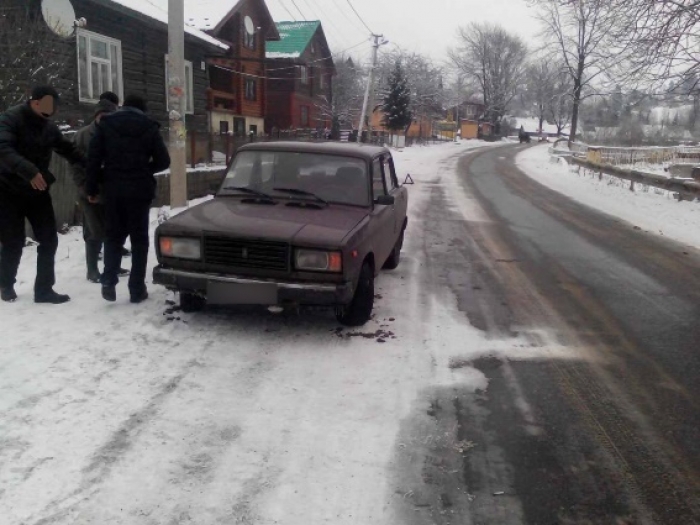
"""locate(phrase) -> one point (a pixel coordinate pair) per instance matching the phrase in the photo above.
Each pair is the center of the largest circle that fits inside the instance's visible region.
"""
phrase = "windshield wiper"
(251, 191)
(295, 191)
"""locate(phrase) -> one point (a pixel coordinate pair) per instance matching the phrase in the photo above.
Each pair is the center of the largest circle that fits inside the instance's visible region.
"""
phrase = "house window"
(304, 74)
(99, 66)
(223, 127)
(305, 116)
(189, 82)
(251, 89)
(322, 81)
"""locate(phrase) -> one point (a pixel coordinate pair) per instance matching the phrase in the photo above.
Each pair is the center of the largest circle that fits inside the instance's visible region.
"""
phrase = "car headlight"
(318, 260)
(181, 247)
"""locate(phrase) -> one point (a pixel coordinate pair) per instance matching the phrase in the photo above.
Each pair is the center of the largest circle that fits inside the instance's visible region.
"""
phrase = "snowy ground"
(140, 414)
(647, 208)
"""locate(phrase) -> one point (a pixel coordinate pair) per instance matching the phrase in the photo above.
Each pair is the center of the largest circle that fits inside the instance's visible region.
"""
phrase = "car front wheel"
(359, 311)
(190, 302)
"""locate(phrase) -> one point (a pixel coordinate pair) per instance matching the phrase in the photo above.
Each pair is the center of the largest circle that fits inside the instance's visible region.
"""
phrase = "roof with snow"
(158, 10)
(212, 15)
(294, 39)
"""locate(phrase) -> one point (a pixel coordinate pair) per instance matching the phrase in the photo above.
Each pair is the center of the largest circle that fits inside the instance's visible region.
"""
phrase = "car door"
(382, 215)
(399, 192)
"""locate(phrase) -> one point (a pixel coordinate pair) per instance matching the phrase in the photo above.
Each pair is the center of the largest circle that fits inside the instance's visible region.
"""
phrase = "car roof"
(359, 150)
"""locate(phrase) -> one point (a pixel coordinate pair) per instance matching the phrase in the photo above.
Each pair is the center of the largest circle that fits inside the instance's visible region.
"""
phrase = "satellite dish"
(249, 26)
(59, 15)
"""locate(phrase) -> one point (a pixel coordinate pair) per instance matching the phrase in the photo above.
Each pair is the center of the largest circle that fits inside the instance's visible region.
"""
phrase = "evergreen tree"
(397, 115)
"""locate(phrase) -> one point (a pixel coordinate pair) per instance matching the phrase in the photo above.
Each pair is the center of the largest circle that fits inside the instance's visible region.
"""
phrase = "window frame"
(189, 87)
(378, 162)
(304, 109)
(89, 36)
(304, 75)
(389, 161)
(254, 83)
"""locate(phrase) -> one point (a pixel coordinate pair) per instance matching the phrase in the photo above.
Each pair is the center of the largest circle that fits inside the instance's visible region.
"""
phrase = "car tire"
(395, 258)
(359, 311)
(190, 302)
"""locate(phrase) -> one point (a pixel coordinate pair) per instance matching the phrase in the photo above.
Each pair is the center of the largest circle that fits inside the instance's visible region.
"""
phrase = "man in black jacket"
(127, 151)
(27, 140)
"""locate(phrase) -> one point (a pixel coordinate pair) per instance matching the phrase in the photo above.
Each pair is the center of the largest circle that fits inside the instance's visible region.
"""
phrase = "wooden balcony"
(222, 101)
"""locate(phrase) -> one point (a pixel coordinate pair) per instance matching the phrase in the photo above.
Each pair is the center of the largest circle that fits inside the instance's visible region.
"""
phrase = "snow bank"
(651, 209)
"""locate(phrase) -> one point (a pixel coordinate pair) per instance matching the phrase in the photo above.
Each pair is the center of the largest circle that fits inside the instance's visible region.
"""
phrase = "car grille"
(246, 253)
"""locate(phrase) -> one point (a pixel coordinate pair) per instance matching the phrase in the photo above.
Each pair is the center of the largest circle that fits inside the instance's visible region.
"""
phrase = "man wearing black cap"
(126, 152)
(27, 140)
(93, 214)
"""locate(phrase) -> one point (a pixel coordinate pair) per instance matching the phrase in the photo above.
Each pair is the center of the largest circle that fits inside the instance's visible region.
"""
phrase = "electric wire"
(287, 9)
(295, 5)
(358, 16)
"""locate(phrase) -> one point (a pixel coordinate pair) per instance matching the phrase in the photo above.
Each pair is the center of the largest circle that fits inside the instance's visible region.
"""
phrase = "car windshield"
(331, 178)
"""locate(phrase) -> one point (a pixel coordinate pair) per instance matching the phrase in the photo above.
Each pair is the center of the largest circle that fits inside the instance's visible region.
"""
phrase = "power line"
(321, 59)
(358, 16)
(351, 21)
(326, 17)
(265, 77)
(287, 9)
(302, 14)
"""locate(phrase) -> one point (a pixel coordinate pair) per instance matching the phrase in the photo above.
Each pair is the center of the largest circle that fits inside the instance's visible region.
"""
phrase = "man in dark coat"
(126, 153)
(27, 140)
(93, 214)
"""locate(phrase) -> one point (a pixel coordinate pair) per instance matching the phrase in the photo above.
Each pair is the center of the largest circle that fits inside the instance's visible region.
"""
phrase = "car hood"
(232, 217)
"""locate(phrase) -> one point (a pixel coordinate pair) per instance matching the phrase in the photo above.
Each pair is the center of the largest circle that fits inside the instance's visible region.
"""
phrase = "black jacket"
(127, 150)
(27, 142)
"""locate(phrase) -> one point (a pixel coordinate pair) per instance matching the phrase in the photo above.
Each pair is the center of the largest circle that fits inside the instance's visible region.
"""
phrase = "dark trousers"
(126, 217)
(93, 220)
(37, 208)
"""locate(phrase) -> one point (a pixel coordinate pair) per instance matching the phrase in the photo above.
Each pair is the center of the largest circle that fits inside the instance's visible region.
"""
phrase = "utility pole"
(176, 103)
(459, 101)
(369, 91)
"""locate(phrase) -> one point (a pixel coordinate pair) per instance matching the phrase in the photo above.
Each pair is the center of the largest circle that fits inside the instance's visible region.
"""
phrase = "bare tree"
(560, 106)
(584, 31)
(344, 106)
(494, 61)
(28, 54)
(665, 35)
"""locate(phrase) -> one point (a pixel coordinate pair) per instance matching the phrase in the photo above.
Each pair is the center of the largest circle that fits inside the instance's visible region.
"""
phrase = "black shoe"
(123, 272)
(109, 293)
(139, 297)
(51, 297)
(94, 277)
(8, 294)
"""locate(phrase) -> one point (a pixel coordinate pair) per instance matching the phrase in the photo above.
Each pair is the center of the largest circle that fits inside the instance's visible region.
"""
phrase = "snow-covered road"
(115, 413)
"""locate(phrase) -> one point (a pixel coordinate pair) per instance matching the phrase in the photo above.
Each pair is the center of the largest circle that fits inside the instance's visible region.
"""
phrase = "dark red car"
(292, 224)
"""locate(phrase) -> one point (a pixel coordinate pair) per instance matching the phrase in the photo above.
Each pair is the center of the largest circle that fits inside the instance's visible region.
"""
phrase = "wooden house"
(123, 49)
(237, 94)
(300, 78)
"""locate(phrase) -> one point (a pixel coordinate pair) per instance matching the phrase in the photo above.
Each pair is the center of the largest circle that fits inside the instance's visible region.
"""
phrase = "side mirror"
(408, 180)
(385, 200)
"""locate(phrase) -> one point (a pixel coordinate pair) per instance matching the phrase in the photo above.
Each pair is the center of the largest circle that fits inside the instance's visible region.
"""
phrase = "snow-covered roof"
(206, 14)
(158, 10)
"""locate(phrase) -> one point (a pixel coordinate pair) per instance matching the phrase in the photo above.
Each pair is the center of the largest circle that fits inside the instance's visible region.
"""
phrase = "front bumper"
(226, 289)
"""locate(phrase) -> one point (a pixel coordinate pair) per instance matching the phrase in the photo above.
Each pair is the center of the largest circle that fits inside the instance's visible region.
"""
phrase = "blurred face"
(45, 108)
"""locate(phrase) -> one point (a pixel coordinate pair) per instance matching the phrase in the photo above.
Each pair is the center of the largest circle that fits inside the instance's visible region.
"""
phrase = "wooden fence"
(200, 182)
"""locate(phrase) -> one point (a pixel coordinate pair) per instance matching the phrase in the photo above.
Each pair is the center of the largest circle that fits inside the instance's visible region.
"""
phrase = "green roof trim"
(294, 39)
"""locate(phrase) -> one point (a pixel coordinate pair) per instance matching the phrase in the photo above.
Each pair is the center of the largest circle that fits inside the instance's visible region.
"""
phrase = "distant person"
(93, 214)
(28, 138)
(126, 152)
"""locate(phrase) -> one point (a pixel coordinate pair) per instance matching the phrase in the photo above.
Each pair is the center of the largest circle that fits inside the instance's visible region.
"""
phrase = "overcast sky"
(426, 26)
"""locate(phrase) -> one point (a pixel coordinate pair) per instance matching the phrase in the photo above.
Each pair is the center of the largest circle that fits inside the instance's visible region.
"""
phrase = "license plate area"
(241, 293)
